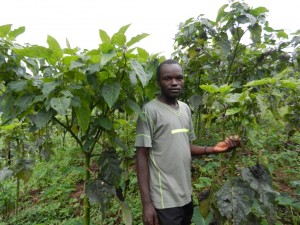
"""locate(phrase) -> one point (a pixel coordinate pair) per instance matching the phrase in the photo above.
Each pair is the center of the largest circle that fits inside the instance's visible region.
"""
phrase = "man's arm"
(149, 213)
(223, 146)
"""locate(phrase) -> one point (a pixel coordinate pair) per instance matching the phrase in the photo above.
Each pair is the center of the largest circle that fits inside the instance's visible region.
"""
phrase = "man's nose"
(174, 82)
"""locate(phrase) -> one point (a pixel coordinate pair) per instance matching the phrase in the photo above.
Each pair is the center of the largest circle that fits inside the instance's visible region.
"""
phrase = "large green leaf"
(198, 218)
(195, 101)
(81, 105)
(123, 29)
(99, 192)
(67, 60)
(48, 87)
(104, 123)
(291, 84)
(260, 180)
(136, 39)
(10, 127)
(143, 54)
(35, 52)
(23, 169)
(282, 34)
(18, 70)
(18, 86)
(109, 167)
(225, 88)
(42, 118)
(76, 64)
(258, 11)
(104, 36)
(4, 30)
(8, 107)
(118, 39)
(221, 13)
(34, 67)
(255, 32)
(235, 200)
(135, 107)
(232, 111)
(120, 143)
(60, 104)
(55, 47)
(132, 77)
(224, 45)
(25, 101)
(260, 82)
(286, 200)
(106, 47)
(83, 114)
(140, 72)
(106, 57)
(258, 177)
(210, 88)
(111, 93)
(230, 98)
(253, 20)
(16, 32)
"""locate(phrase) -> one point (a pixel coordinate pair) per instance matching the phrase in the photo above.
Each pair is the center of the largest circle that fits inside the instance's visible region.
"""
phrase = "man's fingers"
(233, 140)
(229, 142)
(155, 220)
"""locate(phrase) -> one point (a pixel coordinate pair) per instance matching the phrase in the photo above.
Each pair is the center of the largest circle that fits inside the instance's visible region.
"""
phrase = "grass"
(51, 195)
(54, 193)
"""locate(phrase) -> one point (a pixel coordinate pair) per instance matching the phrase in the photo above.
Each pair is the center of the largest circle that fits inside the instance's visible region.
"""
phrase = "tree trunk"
(86, 202)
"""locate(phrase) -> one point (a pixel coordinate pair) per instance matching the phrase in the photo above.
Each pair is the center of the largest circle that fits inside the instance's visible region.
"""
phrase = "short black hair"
(168, 61)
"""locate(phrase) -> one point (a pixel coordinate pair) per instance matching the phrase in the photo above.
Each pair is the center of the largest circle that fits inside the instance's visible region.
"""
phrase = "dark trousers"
(176, 216)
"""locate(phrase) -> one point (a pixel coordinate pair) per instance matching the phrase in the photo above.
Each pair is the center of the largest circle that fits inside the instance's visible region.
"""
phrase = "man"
(164, 149)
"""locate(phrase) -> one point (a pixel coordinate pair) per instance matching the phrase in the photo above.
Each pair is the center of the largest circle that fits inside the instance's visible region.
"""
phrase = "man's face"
(171, 80)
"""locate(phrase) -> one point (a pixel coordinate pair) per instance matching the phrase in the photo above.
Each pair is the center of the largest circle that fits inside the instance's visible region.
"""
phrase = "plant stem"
(17, 196)
(86, 202)
(232, 163)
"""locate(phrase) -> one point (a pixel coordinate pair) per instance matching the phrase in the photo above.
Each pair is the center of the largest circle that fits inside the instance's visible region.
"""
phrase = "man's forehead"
(171, 68)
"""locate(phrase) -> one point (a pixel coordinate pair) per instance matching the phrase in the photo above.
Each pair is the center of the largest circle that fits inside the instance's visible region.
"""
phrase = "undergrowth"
(54, 193)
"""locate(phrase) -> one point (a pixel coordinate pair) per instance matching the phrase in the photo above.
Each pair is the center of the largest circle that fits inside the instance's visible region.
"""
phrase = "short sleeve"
(144, 131)
(192, 135)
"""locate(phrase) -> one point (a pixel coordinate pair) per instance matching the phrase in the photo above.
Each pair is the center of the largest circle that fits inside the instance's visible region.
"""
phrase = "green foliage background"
(68, 122)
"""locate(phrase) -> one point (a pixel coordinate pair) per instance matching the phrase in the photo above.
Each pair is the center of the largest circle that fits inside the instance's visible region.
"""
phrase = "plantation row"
(68, 122)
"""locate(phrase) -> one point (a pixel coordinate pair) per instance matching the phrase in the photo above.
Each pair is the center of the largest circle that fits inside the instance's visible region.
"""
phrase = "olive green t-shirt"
(168, 133)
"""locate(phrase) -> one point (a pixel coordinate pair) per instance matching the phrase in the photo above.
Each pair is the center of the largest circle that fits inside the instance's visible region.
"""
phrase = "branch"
(206, 52)
(234, 55)
(69, 130)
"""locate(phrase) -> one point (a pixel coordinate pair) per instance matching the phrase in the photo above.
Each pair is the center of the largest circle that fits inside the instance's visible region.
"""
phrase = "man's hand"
(149, 215)
(227, 145)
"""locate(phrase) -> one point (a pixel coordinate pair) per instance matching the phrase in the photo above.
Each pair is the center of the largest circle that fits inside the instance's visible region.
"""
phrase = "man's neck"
(169, 101)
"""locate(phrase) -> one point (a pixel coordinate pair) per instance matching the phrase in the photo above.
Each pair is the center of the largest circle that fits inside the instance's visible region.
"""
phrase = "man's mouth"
(174, 90)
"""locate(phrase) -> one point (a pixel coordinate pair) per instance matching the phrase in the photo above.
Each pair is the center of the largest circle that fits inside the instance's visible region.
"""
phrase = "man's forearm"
(228, 144)
(201, 150)
(143, 175)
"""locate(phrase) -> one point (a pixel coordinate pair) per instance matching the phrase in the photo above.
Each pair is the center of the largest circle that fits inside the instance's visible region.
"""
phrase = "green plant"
(79, 108)
(82, 92)
(236, 83)
(238, 77)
